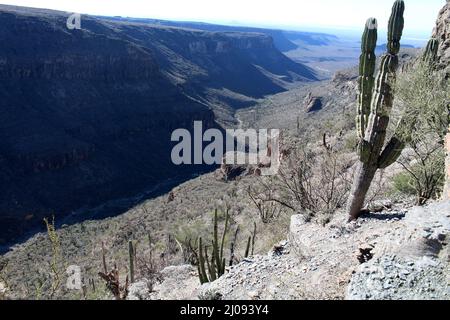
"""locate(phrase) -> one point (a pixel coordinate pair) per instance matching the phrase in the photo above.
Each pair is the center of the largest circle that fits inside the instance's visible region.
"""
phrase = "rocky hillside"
(394, 255)
(87, 114)
(442, 33)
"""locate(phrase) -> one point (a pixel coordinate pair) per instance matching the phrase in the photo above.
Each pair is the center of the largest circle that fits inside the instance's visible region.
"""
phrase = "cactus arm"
(391, 152)
(211, 266)
(381, 107)
(383, 95)
(215, 243)
(431, 50)
(367, 63)
(200, 277)
(395, 28)
(396, 144)
(225, 230)
(201, 263)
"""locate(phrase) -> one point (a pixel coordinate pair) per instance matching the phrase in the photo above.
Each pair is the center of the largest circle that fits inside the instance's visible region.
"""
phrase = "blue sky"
(420, 15)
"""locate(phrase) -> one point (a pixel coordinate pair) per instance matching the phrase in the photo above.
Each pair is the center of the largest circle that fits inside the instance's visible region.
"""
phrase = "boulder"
(312, 103)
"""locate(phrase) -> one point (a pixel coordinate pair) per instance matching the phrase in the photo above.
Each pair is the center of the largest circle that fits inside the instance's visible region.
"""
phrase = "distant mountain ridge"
(383, 47)
(283, 39)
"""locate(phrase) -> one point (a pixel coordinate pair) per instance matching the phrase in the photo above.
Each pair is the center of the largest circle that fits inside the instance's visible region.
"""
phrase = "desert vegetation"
(424, 96)
(331, 164)
(314, 180)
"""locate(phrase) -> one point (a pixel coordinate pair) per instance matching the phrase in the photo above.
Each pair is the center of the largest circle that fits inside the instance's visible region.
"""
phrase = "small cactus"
(209, 269)
(212, 266)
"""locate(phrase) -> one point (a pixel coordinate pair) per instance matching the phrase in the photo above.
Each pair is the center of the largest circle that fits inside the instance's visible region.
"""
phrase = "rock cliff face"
(283, 40)
(312, 103)
(442, 33)
(87, 115)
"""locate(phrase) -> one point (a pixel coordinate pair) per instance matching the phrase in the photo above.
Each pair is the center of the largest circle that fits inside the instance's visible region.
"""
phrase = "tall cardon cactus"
(374, 107)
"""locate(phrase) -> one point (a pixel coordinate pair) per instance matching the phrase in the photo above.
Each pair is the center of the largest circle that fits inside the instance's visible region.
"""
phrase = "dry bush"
(189, 250)
(112, 279)
(425, 167)
(148, 265)
(269, 207)
(313, 181)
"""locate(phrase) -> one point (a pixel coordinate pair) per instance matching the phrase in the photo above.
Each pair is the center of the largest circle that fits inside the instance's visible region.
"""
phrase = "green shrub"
(404, 184)
(351, 141)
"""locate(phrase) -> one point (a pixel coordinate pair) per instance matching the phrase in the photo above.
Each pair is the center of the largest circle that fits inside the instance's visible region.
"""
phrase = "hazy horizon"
(346, 16)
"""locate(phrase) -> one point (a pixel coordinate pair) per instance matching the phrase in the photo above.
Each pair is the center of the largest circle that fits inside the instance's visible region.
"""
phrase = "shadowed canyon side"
(86, 115)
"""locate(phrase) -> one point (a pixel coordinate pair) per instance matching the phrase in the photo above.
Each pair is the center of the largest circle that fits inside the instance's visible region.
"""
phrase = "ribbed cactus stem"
(216, 251)
(367, 63)
(131, 260)
(225, 231)
(247, 248)
(383, 94)
(391, 152)
(211, 266)
(431, 50)
(395, 28)
(201, 263)
(253, 238)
